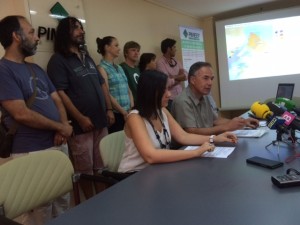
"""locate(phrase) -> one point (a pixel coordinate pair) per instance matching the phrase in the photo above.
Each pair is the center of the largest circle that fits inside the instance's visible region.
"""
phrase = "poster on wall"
(44, 16)
(192, 46)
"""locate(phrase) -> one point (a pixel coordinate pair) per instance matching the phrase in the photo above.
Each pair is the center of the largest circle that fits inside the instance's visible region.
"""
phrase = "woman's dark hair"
(150, 90)
(145, 59)
(63, 37)
(101, 43)
(8, 25)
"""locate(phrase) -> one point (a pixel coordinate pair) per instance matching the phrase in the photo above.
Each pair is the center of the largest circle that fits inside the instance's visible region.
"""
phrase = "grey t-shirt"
(190, 112)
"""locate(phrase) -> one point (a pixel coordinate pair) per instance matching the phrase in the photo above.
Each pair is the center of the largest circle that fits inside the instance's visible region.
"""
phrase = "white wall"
(137, 20)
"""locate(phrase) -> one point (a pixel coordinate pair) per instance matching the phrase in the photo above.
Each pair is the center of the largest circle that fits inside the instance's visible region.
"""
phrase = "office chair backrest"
(33, 180)
(111, 149)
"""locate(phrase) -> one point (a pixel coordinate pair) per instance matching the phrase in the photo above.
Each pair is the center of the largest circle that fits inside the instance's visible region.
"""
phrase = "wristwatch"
(211, 139)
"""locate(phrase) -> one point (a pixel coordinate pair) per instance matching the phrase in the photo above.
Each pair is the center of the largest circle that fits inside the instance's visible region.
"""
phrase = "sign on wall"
(192, 46)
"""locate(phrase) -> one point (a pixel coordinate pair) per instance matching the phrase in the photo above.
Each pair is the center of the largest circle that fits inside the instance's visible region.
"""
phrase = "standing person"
(150, 127)
(169, 65)
(116, 80)
(147, 62)
(131, 53)
(195, 110)
(42, 126)
(85, 96)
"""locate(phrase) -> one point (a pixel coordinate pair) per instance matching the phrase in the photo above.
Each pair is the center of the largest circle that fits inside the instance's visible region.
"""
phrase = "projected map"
(263, 49)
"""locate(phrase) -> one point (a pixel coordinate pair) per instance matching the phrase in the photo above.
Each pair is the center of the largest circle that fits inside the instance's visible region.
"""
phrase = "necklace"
(172, 62)
(166, 135)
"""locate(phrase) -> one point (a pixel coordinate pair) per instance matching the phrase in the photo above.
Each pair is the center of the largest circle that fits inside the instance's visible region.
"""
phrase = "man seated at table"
(196, 111)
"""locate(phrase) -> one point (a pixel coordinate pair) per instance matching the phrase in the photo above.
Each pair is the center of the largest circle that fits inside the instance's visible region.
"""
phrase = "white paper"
(219, 152)
(249, 133)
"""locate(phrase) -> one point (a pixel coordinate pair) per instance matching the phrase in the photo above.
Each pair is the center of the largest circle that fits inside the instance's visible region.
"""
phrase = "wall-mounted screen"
(255, 53)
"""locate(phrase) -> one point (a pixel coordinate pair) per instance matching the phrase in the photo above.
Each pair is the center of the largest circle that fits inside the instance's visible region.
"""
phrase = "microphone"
(290, 105)
(287, 103)
(262, 111)
(291, 120)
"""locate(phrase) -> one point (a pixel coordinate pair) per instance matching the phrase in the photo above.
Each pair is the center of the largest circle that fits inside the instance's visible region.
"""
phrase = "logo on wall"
(58, 12)
(191, 35)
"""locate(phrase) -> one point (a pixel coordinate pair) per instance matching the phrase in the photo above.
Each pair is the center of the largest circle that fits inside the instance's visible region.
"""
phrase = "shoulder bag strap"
(14, 127)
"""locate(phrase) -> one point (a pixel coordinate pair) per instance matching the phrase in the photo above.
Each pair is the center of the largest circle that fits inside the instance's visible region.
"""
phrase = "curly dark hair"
(63, 37)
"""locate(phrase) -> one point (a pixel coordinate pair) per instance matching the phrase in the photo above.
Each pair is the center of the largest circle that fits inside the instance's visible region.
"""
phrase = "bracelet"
(109, 109)
(211, 139)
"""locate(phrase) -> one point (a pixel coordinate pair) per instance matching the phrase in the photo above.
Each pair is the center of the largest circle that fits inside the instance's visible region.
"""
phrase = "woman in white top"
(150, 127)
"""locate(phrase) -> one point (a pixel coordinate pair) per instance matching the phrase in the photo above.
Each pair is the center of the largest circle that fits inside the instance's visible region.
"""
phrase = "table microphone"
(291, 121)
(262, 111)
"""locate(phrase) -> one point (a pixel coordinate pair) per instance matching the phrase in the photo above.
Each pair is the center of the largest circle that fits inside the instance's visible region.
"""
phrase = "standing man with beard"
(42, 126)
(85, 96)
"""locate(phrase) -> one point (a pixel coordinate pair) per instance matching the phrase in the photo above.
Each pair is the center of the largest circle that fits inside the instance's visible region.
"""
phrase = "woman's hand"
(205, 147)
(226, 137)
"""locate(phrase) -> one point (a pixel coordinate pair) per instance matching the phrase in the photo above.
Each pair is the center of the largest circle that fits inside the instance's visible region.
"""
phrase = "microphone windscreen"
(261, 111)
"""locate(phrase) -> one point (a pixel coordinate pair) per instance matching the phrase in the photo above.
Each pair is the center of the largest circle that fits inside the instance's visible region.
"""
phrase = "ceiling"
(204, 8)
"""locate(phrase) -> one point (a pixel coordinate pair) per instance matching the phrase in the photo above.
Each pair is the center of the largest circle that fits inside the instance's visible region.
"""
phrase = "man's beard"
(27, 48)
(78, 41)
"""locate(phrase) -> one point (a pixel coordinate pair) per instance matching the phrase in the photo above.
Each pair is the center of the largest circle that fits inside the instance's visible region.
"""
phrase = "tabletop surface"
(199, 191)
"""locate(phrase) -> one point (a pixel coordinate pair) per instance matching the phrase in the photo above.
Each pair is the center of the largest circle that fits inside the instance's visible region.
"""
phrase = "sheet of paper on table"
(219, 152)
(250, 133)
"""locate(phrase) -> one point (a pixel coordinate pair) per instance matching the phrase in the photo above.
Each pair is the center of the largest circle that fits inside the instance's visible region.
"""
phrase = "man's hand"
(66, 130)
(236, 123)
(86, 124)
(59, 139)
(252, 123)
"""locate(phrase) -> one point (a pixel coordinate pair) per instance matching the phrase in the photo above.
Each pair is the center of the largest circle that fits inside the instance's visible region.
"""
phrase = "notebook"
(285, 90)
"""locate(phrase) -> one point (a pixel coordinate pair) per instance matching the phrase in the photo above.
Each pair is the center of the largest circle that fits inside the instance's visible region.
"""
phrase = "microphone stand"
(279, 133)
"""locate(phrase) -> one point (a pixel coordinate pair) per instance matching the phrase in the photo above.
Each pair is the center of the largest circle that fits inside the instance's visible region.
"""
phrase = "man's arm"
(60, 107)
(58, 138)
(84, 121)
(206, 131)
(23, 115)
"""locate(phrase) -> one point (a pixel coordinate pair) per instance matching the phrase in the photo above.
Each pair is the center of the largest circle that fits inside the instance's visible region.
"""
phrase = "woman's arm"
(135, 128)
(114, 102)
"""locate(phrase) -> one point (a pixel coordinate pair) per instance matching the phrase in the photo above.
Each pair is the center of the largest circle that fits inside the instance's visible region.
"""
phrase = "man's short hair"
(8, 25)
(196, 66)
(167, 43)
(130, 44)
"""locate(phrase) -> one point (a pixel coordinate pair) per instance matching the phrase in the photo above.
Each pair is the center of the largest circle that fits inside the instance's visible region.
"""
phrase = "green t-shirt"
(132, 75)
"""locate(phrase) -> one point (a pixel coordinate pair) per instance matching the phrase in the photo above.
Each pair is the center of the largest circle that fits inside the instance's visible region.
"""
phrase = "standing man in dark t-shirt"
(131, 52)
(85, 96)
(43, 125)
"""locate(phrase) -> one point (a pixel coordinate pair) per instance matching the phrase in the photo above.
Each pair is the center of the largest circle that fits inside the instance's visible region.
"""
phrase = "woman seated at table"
(150, 127)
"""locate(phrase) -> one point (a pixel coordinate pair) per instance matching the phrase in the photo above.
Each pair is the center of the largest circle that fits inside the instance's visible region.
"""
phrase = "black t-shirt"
(82, 82)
